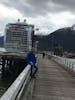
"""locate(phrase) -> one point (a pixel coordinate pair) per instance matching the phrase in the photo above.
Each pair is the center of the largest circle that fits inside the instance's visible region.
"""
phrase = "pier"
(54, 81)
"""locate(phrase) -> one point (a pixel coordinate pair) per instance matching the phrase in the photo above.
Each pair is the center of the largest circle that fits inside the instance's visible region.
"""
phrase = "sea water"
(4, 82)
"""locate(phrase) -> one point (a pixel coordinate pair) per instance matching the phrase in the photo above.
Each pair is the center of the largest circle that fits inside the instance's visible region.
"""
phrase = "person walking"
(43, 55)
(32, 60)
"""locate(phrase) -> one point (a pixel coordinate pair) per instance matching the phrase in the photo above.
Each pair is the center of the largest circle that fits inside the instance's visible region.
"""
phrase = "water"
(4, 82)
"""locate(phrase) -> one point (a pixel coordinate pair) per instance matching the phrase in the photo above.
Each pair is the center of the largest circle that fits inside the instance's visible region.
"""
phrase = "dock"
(52, 82)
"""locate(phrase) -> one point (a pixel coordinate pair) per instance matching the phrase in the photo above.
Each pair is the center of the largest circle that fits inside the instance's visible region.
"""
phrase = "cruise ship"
(18, 37)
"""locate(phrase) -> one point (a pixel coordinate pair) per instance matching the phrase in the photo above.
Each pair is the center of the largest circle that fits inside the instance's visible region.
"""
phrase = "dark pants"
(33, 70)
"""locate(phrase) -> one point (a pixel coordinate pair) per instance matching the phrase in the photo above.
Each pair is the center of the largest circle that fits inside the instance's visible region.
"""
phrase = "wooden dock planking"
(53, 82)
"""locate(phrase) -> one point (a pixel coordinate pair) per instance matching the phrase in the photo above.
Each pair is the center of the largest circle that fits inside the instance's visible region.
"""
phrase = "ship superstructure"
(18, 37)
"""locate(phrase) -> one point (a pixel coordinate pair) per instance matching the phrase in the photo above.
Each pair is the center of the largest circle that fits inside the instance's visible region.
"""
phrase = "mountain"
(64, 37)
(44, 42)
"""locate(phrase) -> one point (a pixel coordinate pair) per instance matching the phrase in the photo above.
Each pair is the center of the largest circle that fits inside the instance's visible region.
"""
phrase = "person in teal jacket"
(32, 60)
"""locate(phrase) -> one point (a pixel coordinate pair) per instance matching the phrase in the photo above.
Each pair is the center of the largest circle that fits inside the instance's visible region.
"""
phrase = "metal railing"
(69, 63)
(15, 90)
(66, 62)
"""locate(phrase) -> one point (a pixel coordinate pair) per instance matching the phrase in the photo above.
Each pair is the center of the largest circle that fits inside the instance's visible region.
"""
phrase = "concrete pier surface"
(53, 82)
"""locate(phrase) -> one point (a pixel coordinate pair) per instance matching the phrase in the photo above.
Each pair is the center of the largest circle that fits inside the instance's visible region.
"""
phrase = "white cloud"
(53, 21)
(6, 12)
(62, 19)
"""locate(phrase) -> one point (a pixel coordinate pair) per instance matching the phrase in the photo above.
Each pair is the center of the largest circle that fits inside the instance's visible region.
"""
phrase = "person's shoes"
(33, 76)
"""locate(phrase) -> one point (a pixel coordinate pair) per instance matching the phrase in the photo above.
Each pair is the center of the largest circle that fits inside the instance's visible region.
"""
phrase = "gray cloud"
(28, 8)
(67, 4)
(34, 8)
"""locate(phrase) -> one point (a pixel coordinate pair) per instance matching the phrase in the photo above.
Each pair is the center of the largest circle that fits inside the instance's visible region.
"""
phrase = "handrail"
(14, 89)
(69, 63)
(66, 62)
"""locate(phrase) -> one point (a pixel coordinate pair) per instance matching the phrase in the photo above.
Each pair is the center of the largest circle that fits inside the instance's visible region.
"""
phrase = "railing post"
(69, 64)
(72, 66)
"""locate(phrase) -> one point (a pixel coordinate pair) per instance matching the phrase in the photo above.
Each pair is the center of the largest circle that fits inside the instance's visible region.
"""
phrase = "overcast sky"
(47, 15)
